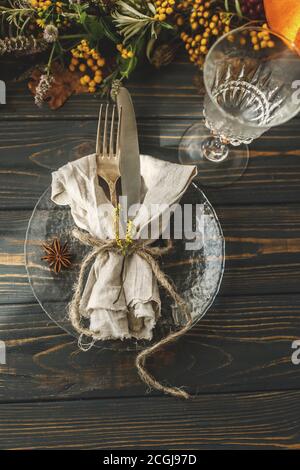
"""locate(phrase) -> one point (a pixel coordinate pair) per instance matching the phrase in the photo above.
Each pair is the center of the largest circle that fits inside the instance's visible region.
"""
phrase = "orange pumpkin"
(283, 17)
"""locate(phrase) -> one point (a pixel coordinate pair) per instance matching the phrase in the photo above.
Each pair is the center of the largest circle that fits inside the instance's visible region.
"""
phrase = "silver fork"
(108, 148)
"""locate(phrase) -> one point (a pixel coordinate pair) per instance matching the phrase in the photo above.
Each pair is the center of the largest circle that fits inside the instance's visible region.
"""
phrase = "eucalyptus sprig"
(15, 16)
(132, 18)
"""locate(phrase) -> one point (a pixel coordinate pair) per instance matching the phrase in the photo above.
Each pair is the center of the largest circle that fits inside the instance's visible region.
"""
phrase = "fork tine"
(119, 130)
(104, 149)
(112, 128)
(98, 142)
(107, 145)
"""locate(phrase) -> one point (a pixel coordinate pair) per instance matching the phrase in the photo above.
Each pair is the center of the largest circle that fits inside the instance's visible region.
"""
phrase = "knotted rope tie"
(148, 253)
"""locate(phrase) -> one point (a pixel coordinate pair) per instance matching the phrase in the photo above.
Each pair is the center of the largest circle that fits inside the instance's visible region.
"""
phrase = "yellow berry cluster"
(43, 5)
(123, 243)
(89, 63)
(163, 8)
(125, 53)
(261, 39)
(206, 25)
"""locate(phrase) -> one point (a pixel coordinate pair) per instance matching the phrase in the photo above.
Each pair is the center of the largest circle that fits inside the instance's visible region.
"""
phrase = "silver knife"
(129, 150)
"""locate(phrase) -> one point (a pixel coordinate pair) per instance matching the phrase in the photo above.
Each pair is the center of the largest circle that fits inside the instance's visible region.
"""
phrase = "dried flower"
(64, 83)
(22, 44)
(126, 29)
(115, 88)
(123, 243)
(57, 255)
(42, 89)
(50, 33)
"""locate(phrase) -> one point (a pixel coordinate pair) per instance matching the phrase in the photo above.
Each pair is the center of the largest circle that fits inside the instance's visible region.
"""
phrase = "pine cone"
(22, 45)
(163, 55)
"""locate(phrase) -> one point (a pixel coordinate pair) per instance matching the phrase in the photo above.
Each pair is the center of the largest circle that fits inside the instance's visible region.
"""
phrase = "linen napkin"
(117, 311)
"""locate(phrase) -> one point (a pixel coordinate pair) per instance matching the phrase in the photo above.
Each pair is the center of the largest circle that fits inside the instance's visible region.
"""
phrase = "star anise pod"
(57, 255)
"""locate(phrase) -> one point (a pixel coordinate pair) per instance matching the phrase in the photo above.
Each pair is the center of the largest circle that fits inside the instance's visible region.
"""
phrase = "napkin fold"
(131, 309)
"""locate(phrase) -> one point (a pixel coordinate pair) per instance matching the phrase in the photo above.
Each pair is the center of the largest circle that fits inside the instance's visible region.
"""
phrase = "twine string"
(148, 253)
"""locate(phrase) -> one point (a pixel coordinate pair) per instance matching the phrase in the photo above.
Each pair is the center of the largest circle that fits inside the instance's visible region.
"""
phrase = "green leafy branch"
(132, 19)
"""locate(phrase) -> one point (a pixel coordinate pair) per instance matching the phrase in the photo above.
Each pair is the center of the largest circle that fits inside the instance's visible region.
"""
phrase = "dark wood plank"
(262, 249)
(235, 421)
(262, 252)
(242, 344)
(168, 92)
(29, 150)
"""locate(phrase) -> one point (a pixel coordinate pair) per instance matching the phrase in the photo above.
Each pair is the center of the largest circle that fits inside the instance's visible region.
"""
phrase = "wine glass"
(250, 76)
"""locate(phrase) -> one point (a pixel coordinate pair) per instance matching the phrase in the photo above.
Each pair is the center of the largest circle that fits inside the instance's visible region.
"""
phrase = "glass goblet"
(251, 77)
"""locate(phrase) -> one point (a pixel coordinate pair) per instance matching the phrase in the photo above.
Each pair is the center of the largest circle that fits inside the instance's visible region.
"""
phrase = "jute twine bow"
(148, 253)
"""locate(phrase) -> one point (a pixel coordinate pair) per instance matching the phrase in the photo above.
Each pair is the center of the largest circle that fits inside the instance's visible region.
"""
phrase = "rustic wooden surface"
(236, 361)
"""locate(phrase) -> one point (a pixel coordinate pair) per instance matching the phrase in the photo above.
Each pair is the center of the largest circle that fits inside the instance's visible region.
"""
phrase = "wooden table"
(236, 361)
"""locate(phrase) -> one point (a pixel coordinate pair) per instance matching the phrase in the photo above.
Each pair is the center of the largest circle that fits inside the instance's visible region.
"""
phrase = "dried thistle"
(42, 89)
(22, 44)
(50, 33)
(57, 255)
(63, 84)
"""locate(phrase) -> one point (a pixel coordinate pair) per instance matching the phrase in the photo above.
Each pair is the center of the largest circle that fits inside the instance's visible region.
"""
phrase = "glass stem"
(214, 149)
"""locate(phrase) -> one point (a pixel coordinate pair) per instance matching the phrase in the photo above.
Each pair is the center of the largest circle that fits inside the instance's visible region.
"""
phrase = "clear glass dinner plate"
(197, 273)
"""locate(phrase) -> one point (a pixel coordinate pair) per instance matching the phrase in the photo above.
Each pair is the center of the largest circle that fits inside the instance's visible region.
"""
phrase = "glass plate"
(197, 273)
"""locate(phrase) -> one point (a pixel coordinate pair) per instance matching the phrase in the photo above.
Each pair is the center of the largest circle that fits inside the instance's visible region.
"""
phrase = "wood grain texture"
(168, 92)
(237, 360)
(30, 150)
(262, 252)
(242, 344)
(233, 421)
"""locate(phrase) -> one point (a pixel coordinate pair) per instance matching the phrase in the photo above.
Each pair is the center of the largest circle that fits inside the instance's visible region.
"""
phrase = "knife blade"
(129, 150)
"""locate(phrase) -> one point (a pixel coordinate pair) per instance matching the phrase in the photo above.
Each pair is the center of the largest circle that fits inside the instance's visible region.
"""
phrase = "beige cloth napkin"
(135, 313)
